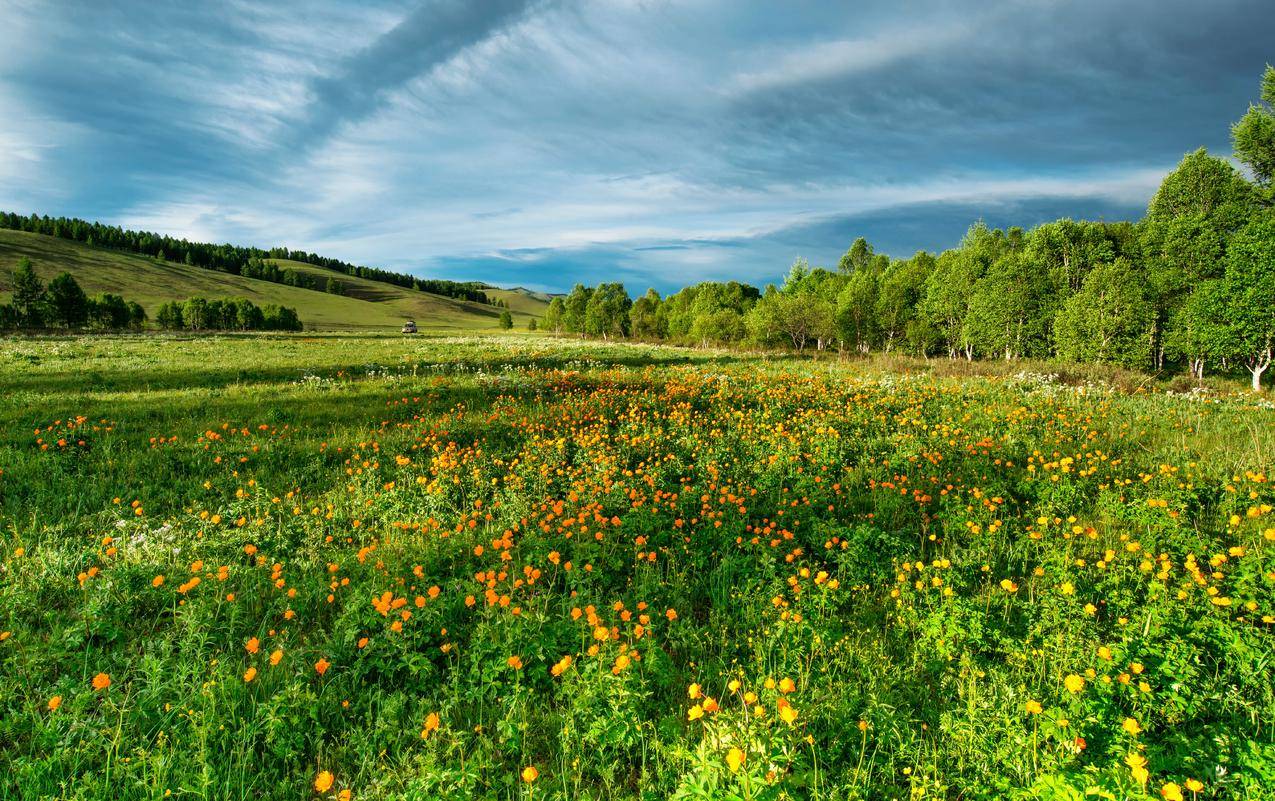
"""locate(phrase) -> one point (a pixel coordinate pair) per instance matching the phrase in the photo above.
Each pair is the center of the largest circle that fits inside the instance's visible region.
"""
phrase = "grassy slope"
(369, 306)
(423, 305)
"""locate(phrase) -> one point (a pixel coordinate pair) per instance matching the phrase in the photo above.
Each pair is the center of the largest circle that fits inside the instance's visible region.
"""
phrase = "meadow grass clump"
(370, 567)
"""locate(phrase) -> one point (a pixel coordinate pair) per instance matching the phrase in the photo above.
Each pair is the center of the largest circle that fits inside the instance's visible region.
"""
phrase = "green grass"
(370, 306)
(900, 568)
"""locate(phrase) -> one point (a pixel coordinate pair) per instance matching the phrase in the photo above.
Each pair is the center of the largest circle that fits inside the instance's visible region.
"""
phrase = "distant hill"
(363, 305)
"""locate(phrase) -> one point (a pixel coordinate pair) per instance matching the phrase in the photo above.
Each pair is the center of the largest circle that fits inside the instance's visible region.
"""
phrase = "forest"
(1190, 286)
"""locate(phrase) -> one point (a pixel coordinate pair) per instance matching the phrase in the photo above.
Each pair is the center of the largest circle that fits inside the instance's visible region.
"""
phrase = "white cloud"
(847, 57)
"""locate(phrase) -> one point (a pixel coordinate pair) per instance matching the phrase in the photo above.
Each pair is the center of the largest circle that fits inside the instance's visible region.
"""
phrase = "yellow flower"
(787, 712)
(1194, 785)
(734, 758)
(530, 774)
(695, 713)
(1137, 766)
(1033, 708)
(1130, 725)
(323, 782)
(693, 692)
(1171, 792)
(1074, 683)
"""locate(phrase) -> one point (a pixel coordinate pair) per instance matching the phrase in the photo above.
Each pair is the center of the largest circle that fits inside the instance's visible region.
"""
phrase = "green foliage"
(1254, 135)
(645, 320)
(606, 314)
(1108, 321)
(68, 305)
(506, 320)
(28, 295)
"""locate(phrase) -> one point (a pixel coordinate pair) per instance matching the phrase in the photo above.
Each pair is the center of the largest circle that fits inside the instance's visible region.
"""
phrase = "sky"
(659, 143)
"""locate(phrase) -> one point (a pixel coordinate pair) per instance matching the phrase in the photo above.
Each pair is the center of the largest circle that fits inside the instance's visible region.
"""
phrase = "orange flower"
(250, 674)
(55, 702)
(530, 774)
(101, 681)
(276, 656)
(323, 782)
(322, 666)
(252, 646)
(514, 662)
(157, 581)
(431, 725)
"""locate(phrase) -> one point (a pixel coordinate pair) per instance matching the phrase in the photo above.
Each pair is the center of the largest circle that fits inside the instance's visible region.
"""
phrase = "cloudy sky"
(657, 142)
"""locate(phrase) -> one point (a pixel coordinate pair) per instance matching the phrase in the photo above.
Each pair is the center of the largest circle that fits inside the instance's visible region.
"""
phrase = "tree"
(856, 311)
(506, 320)
(1068, 249)
(28, 295)
(946, 300)
(554, 315)
(645, 321)
(1254, 135)
(1108, 321)
(799, 316)
(109, 311)
(68, 305)
(1198, 206)
(900, 290)
(1198, 332)
(249, 316)
(280, 318)
(195, 314)
(1011, 309)
(574, 309)
(858, 257)
(1205, 185)
(531, 324)
(607, 312)
(169, 316)
(136, 315)
(1249, 286)
(333, 287)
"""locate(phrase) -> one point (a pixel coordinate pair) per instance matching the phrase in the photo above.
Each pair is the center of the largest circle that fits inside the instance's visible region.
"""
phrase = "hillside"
(366, 305)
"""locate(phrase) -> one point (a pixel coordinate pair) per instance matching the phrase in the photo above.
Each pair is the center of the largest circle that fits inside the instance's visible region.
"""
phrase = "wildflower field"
(343, 567)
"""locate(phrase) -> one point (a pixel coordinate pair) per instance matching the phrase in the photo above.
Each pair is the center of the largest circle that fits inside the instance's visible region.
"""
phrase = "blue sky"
(540, 142)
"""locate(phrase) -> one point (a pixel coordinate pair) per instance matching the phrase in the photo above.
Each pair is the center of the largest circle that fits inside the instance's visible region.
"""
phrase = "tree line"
(1189, 286)
(64, 304)
(232, 314)
(234, 259)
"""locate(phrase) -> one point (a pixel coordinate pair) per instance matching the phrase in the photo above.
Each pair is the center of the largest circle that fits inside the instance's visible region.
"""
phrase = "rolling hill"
(365, 305)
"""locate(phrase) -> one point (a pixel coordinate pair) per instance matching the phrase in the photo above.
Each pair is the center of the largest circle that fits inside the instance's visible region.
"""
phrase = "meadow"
(510, 567)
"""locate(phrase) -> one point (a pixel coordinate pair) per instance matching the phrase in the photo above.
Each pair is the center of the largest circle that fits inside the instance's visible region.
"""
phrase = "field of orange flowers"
(375, 568)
